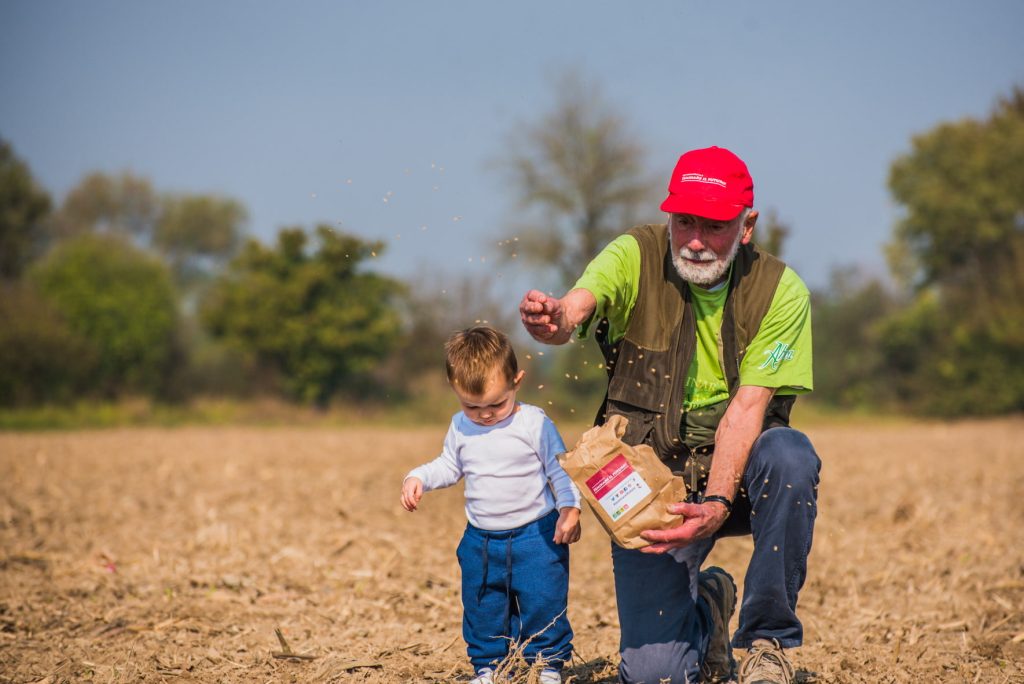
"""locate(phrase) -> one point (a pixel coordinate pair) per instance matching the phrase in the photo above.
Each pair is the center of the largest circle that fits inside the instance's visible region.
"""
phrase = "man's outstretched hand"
(542, 315)
(700, 521)
(552, 320)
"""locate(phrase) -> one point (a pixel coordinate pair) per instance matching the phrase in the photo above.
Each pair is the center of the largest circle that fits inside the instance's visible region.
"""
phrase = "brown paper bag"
(627, 487)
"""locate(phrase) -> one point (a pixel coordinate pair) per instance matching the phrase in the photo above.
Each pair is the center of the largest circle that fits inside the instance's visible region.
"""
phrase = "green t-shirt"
(778, 357)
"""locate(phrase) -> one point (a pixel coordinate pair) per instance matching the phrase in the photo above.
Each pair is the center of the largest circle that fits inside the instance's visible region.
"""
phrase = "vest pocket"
(639, 392)
(641, 421)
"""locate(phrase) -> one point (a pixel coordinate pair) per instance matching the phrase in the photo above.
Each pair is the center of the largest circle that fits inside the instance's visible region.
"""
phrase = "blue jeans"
(665, 629)
(515, 585)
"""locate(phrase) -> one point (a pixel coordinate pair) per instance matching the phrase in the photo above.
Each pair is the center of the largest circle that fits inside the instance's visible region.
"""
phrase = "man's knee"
(785, 451)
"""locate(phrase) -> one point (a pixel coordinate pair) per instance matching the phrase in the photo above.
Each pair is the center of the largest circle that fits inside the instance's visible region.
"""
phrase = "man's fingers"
(660, 548)
(657, 536)
(684, 534)
(531, 307)
(533, 302)
(541, 328)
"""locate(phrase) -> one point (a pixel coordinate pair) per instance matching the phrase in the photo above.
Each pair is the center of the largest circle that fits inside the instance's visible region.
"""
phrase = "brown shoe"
(716, 587)
(766, 664)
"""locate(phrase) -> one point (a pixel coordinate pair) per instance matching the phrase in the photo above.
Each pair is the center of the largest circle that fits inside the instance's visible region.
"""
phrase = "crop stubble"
(158, 555)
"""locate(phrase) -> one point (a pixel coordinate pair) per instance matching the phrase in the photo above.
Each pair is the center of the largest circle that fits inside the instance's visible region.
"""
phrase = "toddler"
(523, 509)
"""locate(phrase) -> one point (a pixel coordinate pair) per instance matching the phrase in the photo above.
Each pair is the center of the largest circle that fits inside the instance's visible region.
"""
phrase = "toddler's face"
(495, 404)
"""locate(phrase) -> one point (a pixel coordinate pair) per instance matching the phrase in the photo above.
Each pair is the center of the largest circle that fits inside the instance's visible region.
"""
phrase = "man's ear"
(748, 226)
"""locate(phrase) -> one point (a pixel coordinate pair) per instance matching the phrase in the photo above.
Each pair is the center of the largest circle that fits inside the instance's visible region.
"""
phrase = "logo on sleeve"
(781, 352)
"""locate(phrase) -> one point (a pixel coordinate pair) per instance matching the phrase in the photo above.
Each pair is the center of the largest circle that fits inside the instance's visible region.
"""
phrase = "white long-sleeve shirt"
(507, 467)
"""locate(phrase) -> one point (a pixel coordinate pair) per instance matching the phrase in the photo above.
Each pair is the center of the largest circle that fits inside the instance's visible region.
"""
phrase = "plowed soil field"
(165, 555)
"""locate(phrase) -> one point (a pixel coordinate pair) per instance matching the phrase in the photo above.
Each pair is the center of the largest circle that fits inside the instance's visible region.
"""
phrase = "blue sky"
(384, 117)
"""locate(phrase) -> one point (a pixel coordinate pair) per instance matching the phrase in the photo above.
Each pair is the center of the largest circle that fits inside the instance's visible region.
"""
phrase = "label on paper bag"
(627, 487)
(617, 487)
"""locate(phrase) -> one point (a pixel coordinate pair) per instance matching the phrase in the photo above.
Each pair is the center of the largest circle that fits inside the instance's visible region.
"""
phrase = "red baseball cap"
(711, 182)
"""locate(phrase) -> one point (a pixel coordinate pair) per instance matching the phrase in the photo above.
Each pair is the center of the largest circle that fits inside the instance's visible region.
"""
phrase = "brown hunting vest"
(647, 368)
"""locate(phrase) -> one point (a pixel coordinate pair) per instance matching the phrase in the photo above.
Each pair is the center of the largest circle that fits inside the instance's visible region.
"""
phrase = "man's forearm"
(739, 428)
(579, 305)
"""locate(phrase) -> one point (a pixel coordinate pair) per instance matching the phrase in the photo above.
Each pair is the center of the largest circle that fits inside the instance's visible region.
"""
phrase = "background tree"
(194, 233)
(771, 232)
(125, 205)
(41, 359)
(197, 233)
(578, 174)
(120, 302)
(960, 244)
(313, 317)
(23, 206)
(849, 351)
(438, 307)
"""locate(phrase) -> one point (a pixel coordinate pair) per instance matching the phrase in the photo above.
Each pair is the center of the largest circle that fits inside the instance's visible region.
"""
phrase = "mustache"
(703, 255)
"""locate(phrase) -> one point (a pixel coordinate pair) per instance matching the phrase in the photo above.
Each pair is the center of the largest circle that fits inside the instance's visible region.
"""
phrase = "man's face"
(703, 249)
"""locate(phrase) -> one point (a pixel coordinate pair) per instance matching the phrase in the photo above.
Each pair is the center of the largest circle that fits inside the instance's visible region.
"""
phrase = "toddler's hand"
(412, 492)
(567, 529)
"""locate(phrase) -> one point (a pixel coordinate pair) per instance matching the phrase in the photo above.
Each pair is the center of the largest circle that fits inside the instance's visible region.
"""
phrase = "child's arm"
(567, 529)
(443, 471)
(551, 445)
(412, 492)
(567, 496)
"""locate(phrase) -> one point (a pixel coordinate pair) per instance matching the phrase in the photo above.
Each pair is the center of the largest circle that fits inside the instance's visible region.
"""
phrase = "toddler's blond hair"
(472, 354)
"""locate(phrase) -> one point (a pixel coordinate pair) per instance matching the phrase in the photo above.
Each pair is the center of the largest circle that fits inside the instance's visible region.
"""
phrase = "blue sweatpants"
(665, 629)
(515, 586)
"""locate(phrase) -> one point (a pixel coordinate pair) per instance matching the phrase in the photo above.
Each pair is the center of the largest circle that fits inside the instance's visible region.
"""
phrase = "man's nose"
(694, 242)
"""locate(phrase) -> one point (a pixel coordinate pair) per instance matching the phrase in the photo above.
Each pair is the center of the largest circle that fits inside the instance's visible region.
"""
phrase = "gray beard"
(711, 270)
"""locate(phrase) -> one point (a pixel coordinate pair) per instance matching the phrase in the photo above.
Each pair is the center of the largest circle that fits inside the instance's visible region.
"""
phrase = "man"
(707, 342)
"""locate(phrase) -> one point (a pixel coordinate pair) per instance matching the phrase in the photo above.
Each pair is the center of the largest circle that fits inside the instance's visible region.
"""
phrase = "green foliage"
(125, 205)
(23, 205)
(121, 303)
(962, 186)
(197, 228)
(941, 367)
(41, 359)
(958, 349)
(194, 234)
(311, 317)
(849, 364)
(580, 170)
(771, 233)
